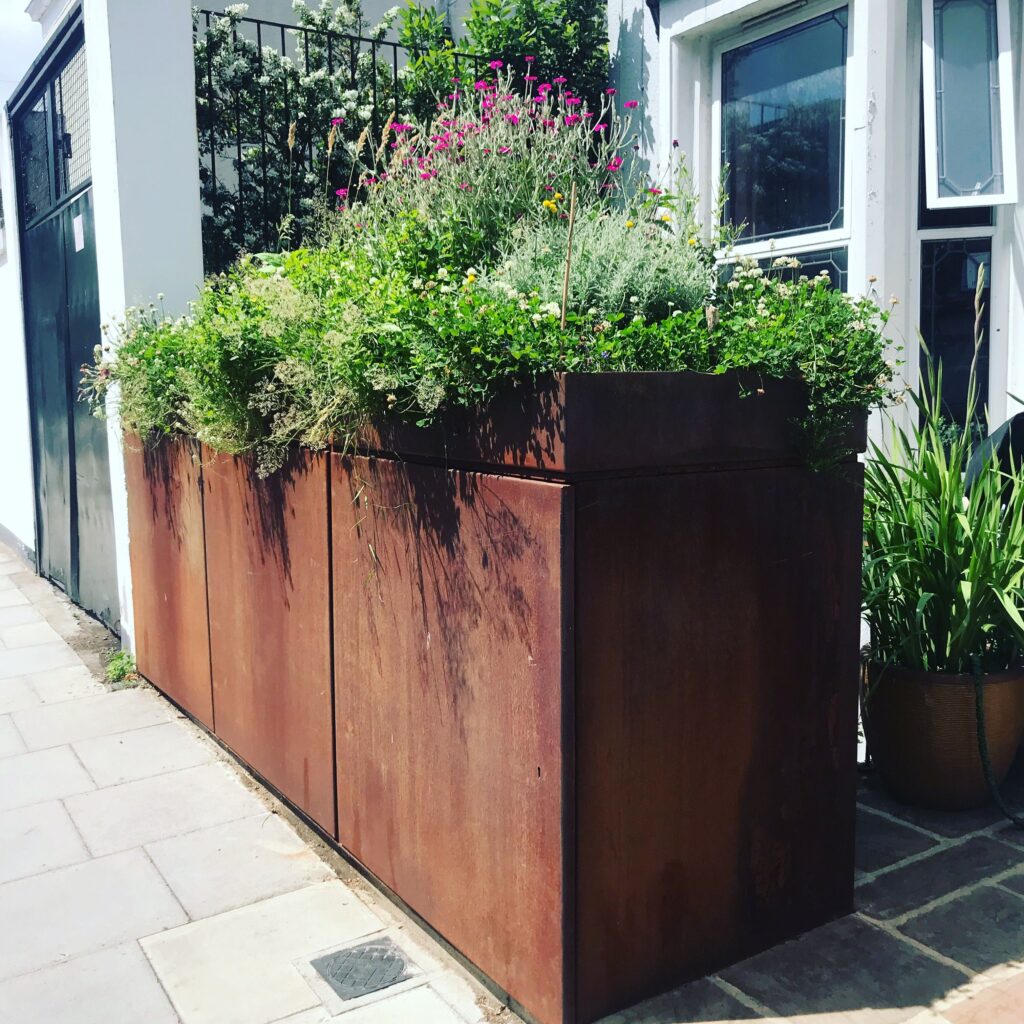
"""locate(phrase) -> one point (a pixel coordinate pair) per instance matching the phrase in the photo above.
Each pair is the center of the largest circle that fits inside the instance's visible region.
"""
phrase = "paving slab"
(10, 739)
(36, 839)
(1015, 883)
(701, 1002)
(882, 842)
(236, 968)
(82, 908)
(11, 597)
(980, 929)
(849, 967)
(31, 634)
(1002, 1003)
(422, 1005)
(41, 775)
(227, 866)
(906, 889)
(65, 684)
(17, 694)
(134, 813)
(18, 615)
(950, 824)
(41, 658)
(112, 986)
(141, 753)
(101, 715)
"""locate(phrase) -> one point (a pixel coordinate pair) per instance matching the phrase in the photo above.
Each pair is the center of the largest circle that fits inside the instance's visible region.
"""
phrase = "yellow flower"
(666, 217)
(692, 241)
(558, 195)
(630, 224)
(549, 205)
(470, 277)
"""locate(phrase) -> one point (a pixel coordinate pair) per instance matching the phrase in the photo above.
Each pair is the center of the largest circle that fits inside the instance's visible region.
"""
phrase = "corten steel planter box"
(268, 571)
(168, 560)
(596, 682)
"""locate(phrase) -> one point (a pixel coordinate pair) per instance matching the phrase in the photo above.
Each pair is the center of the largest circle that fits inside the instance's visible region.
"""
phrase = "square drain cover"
(360, 970)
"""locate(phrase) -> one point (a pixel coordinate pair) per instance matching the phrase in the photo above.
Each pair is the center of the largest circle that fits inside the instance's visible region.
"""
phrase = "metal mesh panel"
(33, 160)
(71, 92)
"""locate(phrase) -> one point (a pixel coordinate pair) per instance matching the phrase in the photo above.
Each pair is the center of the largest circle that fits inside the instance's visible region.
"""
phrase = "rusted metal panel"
(716, 720)
(268, 570)
(165, 523)
(452, 628)
(583, 423)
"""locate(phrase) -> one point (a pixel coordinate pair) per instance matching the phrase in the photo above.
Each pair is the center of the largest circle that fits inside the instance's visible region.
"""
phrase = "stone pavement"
(144, 879)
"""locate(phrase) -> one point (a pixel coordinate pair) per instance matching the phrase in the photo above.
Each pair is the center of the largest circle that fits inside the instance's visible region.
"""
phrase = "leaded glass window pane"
(783, 125)
(949, 277)
(967, 100)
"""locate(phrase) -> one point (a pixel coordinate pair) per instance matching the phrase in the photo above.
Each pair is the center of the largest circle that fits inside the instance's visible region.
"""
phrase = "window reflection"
(783, 118)
(949, 276)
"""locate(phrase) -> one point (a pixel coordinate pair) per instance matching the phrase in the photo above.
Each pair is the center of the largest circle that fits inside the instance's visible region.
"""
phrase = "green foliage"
(121, 668)
(943, 563)
(439, 286)
(619, 266)
(561, 38)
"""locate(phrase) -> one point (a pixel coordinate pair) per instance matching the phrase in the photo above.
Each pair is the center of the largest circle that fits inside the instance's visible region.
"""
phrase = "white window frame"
(998, 288)
(810, 241)
(1004, 64)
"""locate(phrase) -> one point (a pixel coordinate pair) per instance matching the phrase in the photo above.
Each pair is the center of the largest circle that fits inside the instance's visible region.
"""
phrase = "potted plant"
(943, 597)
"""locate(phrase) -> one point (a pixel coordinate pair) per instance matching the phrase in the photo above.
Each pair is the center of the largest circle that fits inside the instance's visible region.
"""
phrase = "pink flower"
(504, 149)
(427, 175)
(530, 78)
(465, 186)
(480, 85)
(560, 80)
(544, 87)
(572, 101)
(341, 192)
(456, 79)
(496, 65)
(610, 92)
(600, 127)
(571, 119)
(512, 118)
(631, 104)
(529, 60)
(615, 163)
(337, 120)
(654, 191)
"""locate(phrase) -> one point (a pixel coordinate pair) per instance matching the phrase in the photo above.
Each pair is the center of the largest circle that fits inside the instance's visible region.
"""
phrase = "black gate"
(74, 518)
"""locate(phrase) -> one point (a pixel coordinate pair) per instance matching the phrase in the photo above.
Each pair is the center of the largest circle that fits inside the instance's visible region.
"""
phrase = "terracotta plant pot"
(922, 731)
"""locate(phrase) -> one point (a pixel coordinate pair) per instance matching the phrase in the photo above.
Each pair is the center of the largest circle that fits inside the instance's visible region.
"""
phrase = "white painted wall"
(145, 166)
(20, 40)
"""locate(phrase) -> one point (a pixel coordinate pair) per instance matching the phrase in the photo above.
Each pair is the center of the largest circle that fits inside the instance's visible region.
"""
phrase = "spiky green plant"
(943, 559)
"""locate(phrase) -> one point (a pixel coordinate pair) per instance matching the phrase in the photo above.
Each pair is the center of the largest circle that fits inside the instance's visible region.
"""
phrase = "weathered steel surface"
(165, 524)
(452, 626)
(267, 560)
(585, 423)
(716, 682)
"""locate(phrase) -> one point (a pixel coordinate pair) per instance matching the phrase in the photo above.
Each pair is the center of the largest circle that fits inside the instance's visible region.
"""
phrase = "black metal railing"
(266, 96)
